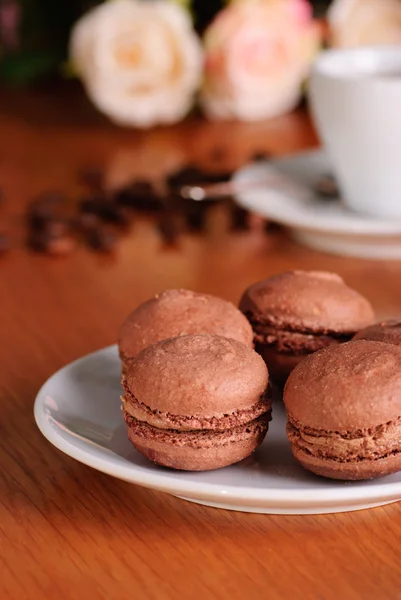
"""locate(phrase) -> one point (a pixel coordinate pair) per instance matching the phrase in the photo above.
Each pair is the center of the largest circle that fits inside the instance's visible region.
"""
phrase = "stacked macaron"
(196, 394)
(196, 402)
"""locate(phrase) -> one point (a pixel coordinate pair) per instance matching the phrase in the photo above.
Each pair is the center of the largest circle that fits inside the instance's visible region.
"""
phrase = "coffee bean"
(188, 175)
(92, 205)
(40, 241)
(195, 218)
(102, 240)
(92, 177)
(56, 228)
(61, 246)
(169, 227)
(106, 210)
(272, 227)
(139, 195)
(239, 217)
(261, 156)
(87, 221)
(44, 208)
(191, 175)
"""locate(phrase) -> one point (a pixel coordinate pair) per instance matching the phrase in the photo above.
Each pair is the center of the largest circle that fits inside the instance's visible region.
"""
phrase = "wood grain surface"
(68, 532)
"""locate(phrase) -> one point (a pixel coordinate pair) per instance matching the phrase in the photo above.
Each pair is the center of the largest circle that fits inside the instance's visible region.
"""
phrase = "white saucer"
(325, 225)
(78, 410)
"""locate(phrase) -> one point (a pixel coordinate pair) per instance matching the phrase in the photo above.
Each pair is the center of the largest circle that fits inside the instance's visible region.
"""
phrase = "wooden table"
(68, 532)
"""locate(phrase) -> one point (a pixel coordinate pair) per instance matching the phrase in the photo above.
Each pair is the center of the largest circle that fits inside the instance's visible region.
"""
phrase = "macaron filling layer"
(218, 421)
(294, 341)
(347, 446)
(255, 429)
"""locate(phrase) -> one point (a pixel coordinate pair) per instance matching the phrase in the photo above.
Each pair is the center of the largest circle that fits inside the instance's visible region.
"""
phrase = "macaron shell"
(180, 312)
(197, 375)
(307, 301)
(346, 387)
(200, 452)
(352, 471)
(388, 332)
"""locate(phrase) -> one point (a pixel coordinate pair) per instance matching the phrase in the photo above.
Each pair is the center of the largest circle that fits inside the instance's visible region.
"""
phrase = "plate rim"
(390, 228)
(344, 495)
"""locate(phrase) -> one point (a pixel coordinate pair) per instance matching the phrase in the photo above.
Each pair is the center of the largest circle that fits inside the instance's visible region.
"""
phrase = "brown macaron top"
(179, 312)
(385, 331)
(204, 375)
(351, 386)
(310, 301)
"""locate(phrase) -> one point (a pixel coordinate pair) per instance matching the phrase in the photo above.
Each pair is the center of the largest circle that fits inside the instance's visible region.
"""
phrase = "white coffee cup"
(355, 98)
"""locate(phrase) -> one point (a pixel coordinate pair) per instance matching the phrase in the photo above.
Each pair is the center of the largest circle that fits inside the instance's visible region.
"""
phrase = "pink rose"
(258, 53)
(356, 23)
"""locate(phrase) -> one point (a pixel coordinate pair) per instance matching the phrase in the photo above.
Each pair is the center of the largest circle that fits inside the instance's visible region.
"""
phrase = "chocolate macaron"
(344, 411)
(299, 312)
(180, 312)
(197, 402)
(388, 332)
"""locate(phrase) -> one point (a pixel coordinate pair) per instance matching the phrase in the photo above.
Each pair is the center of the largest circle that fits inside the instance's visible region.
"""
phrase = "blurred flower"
(257, 55)
(10, 17)
(364, 22)
(140, 62)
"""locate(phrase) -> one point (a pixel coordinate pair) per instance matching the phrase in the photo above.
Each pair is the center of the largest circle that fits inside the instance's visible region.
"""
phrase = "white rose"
(356, 23)
(140, 62)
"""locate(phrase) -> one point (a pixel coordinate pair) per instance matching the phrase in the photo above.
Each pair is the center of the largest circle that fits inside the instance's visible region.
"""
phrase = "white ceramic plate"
(320, 224)
(78, 411)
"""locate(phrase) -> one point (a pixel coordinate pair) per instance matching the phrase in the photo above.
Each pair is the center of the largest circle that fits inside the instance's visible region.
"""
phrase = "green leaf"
(23, 68)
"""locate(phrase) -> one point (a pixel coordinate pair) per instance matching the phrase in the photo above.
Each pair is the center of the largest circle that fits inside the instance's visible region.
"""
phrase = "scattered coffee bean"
(61, 246)
(327, 188)
(268, 226)
(260, 156)
(239, 217)
(44, 208)
(191, 175)
(112, 213)
(92, 177)
(220, 176)
(42, 241)
(195, 217)
(92, 205)
(86, 222)
(56, 228)
(169, 227)
(106, 210)
(139, 195)
(102, 240)
(272, 227)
